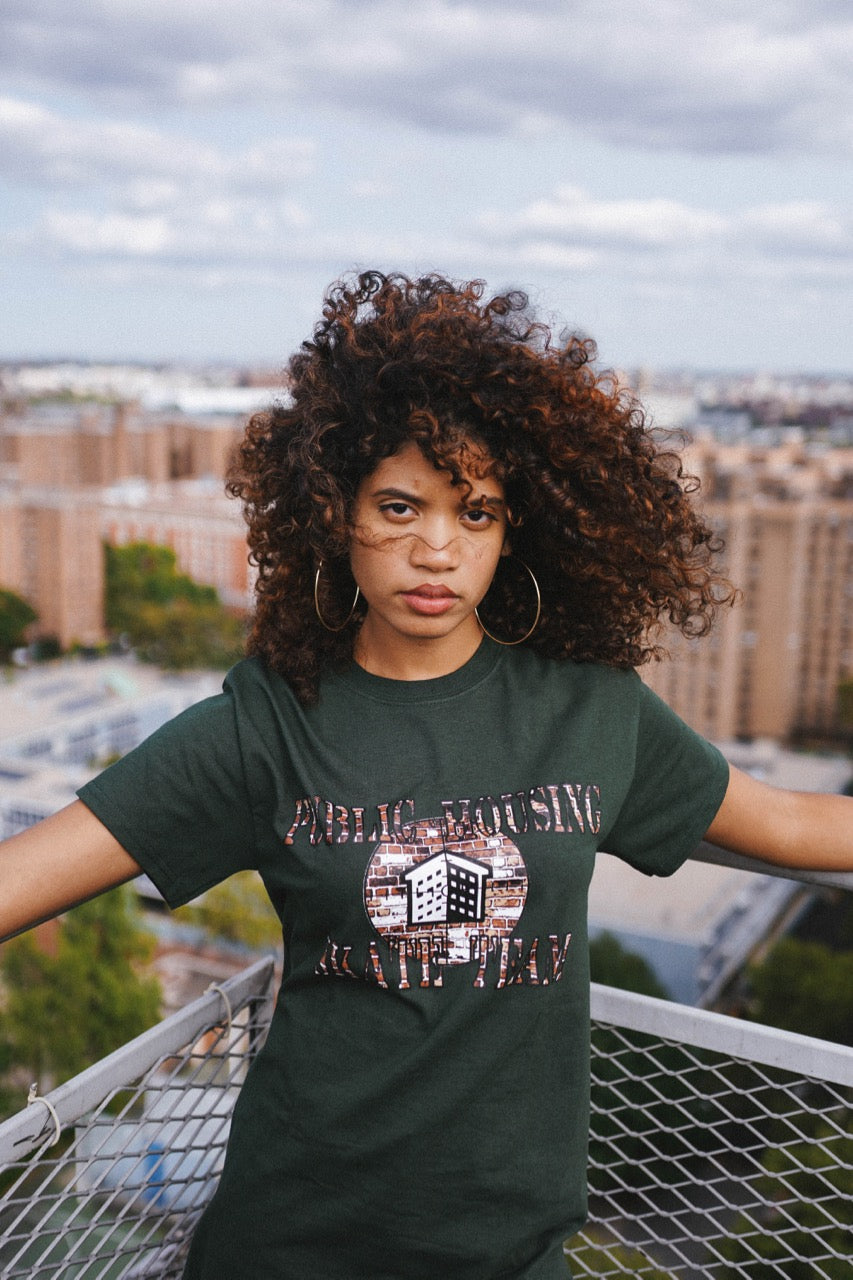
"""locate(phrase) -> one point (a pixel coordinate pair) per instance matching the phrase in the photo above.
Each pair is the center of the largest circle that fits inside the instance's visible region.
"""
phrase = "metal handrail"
(712, 853)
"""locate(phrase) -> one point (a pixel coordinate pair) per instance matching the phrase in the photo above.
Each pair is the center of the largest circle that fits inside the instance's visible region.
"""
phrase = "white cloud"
(804, 225)
(708, 78)
(572, 233)
(114, 234)
(573, 228)
(573, 214)
(174, 143)
(42, 147)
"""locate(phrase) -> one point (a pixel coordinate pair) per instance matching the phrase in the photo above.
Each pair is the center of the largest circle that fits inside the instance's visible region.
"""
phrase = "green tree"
(805, 987)
(141, 574)
(845, 703)
(613, 966)
(66, 1008)
(169, 618)
(802, 1225)
(15, 616)
(238, 910)
(592, 1257)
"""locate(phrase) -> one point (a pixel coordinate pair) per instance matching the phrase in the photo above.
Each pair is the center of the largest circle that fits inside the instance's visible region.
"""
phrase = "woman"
(465, 539)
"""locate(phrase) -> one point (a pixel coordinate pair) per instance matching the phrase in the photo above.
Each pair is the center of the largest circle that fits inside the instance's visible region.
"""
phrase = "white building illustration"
(446, 889)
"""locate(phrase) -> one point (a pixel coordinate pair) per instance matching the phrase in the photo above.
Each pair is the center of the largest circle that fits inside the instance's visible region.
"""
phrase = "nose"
(438, 550)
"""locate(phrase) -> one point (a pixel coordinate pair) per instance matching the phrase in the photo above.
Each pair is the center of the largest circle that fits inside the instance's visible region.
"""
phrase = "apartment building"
(72, 479)
(772, 666)
(70, 447)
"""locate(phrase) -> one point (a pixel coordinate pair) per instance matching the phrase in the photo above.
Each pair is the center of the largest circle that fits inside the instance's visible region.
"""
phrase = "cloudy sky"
(183, 178)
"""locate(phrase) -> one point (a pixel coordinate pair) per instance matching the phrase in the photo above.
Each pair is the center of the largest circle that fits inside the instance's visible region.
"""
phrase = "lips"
(433, 591)
(430, 598)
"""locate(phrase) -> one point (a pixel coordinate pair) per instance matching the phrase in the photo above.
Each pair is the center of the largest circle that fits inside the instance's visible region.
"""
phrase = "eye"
(478, 518)
(396, 510)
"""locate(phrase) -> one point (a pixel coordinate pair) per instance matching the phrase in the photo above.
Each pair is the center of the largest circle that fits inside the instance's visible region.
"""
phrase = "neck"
(414, 657)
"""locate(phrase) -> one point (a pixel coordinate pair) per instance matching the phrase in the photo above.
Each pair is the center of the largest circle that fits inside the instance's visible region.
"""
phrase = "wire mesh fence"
(718, 1149)
(106, 1177)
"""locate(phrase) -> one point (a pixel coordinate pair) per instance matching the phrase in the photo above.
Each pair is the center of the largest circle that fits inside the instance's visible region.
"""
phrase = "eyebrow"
(394, 493)
(403, 496)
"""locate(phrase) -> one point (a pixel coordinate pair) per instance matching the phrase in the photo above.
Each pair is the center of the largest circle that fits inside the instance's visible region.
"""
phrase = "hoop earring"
(527, 634)
(317, 602)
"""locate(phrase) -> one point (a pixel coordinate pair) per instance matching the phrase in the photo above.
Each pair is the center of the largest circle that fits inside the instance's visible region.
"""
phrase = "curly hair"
(600, 512)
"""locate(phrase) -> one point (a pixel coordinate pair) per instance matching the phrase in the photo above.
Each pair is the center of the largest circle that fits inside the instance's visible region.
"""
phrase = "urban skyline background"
(184, 181)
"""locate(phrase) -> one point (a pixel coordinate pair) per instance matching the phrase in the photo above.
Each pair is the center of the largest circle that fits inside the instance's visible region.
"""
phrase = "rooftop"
(42, 697)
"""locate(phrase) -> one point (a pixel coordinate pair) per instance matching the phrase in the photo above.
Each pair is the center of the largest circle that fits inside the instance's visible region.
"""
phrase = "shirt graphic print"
(451, 889)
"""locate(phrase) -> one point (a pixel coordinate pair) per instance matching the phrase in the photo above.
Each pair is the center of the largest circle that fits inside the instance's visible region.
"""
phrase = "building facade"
(773, 664)
(71, 480)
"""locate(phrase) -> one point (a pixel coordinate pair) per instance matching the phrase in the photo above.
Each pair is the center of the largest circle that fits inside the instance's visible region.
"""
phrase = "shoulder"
(606, 698)
(589, 679)
(252, 679)
(248, 673)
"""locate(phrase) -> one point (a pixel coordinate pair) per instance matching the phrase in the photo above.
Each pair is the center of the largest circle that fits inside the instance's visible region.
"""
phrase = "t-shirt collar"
(381, 689)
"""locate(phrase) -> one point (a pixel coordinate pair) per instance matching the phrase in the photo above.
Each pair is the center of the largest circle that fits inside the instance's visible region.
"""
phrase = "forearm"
(804, 829)
(59, 862)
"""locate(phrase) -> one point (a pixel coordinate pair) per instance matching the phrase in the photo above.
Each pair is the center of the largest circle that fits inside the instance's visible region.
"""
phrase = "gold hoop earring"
(529, 633)
(348, 618)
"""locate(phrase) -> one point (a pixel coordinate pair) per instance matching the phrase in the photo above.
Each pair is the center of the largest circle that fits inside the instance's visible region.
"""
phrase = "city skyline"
(183, 182)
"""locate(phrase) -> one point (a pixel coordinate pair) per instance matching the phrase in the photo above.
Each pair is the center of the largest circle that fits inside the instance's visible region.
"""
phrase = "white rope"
(214, 986)
(32, 1097)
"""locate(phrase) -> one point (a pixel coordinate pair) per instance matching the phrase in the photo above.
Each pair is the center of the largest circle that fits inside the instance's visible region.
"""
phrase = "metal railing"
(106, 1176)
(719, 1149)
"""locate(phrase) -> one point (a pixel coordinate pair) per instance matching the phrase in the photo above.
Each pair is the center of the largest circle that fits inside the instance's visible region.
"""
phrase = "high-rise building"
(773, 664)
(71, 479)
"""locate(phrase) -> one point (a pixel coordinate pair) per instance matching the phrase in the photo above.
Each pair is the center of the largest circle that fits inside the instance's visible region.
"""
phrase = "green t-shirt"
(420, 1108)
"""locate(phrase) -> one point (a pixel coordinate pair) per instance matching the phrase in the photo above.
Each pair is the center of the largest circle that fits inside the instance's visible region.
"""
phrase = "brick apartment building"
(773, 664)
(71, 479)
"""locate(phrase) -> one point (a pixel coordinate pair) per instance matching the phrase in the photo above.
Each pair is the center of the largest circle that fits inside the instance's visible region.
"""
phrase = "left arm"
(805, 829)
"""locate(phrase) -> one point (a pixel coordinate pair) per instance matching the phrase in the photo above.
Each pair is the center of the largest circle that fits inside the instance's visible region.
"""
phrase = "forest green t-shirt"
(420, 1108)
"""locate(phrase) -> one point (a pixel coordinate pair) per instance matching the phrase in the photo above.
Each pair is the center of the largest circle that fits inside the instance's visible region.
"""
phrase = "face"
(423, 553)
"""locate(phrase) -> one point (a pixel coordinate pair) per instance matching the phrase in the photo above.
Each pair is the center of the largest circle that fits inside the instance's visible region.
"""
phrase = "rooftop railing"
(719, 1148)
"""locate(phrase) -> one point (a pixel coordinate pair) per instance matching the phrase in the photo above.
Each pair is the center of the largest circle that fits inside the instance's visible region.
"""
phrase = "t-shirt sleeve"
(678, 785)
(179, 803)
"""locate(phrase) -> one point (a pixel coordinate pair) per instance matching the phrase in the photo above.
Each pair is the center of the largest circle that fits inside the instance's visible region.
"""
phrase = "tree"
(68, 1007)
(613, 966)
(845, 703)
(169, 618)
(143, 574)
(805, 987)
(238, 910)
(808, 1189)
(15, 616)
(593, 1257)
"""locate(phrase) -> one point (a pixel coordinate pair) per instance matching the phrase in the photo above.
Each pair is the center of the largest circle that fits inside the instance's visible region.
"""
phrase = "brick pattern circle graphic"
(454, 889)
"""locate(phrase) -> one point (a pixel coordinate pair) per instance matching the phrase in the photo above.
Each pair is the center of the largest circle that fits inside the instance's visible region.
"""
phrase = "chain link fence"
(719, 1149)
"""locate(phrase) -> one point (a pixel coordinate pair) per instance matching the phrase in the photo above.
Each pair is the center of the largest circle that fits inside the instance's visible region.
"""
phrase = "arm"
(59, 862)
(805, 829)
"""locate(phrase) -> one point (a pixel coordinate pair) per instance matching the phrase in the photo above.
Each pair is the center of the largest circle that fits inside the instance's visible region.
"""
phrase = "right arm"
(64, 860)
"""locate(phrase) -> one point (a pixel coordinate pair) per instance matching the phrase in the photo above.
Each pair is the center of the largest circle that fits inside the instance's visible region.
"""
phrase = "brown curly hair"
(601, 513)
